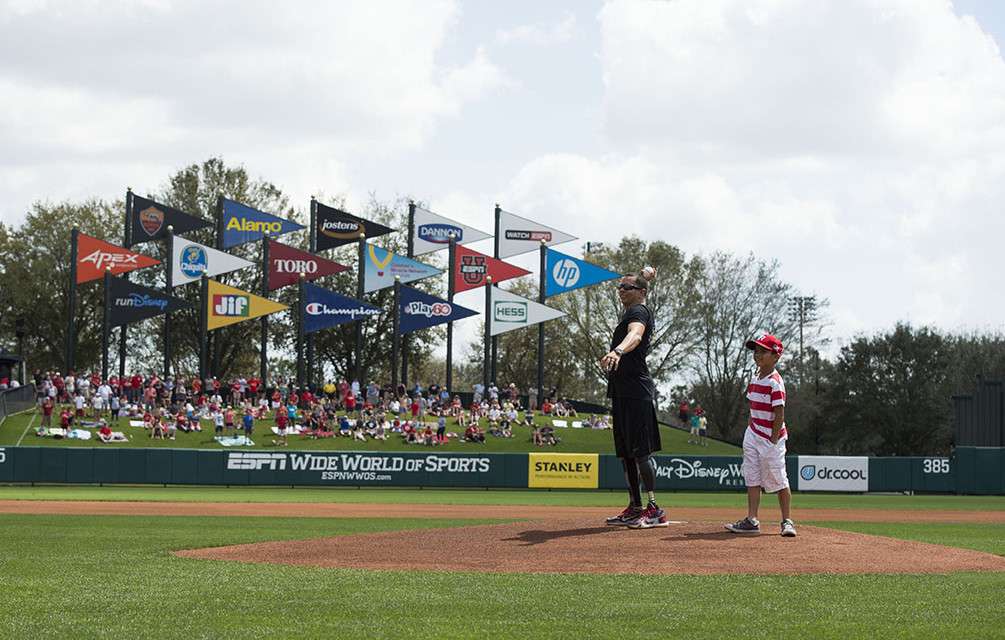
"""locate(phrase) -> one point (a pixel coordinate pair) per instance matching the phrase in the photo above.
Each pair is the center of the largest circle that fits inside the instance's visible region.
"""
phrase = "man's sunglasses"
(629, 287)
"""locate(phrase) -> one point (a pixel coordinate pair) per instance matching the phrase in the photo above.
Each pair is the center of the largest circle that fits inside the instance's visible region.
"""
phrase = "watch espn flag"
(519, 235)
(286, 263)
(229, 305)
(94, 256)
(149, 220)
(472, 267)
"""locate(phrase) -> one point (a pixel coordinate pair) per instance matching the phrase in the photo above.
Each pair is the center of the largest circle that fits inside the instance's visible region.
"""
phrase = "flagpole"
(396, 327)
(359, 296)
(168, 289)
(312, 244)
(203, 327)
(540, 327)
(451, 283)
(488, 333)
(411, 254)
(71, 310)
(215, 359)
(127, 236)
(495, 254)
(106, 328)
(263, 352)
(300, 331)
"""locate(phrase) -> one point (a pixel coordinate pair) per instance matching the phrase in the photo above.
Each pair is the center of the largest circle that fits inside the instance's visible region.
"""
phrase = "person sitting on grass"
(408, 432)
(157, 428)
(456, 407)
(547, 408)
(548, 436)
(528, 418)
(380, 430)
(172, 429)
(474, 434)
(105, 432)
(359, 433)
(344, 428)
(181, 422)
(428, 436)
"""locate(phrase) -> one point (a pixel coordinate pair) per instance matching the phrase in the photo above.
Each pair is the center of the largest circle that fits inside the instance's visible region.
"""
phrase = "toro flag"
(432, 232)
(287, 263)
(336, 227)
(420, 310)
(131, 302)
(191, 260)
(471, 268)
(565, 273)
(94, 256)
(149, 220)
(510, 311)
(519, 235)
(242, 224)
(228, 305)
(382, 266)
(324, 309)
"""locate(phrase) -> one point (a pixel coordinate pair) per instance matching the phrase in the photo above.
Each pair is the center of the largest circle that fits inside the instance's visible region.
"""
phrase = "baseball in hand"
(648, 272)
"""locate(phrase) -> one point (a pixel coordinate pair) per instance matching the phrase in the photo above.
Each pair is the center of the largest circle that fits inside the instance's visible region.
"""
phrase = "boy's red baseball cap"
(769, 342)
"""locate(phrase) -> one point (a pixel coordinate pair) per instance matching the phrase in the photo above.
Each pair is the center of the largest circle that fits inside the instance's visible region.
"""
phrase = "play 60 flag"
(228, 305)
(243, 224)
(565, 273)
(324, 309)
(420, 310)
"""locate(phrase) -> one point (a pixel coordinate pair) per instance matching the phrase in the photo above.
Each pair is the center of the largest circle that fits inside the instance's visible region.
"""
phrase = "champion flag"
(229, 305)
(471, 269)
(519, 235)
(149, 220)
(286, 263)
(242, 224)
(336, 227)
(191, 260)
(131, 302)
(432, 232)
(324, 308)
(383, 265)
(94, 256)
(565, 273)
(510, 311)
(420, 311)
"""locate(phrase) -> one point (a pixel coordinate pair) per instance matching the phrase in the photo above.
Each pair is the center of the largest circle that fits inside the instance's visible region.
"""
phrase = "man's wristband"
(619, 351)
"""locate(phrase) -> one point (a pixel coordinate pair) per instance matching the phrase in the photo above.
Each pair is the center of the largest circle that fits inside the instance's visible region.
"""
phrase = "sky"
(859, 142)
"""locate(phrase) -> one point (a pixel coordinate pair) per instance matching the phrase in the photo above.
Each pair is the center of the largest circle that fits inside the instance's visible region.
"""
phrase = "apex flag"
(420, 310)
(510, 311)
(432, 232)
(472, 267)
(324, 309)
(94, 256)
(190, 260)
(243, 224)
(149, 220)
(382, 266)
(131, 302)
(565, 273)
(287, 263)
(336, 227)
(519, 235)
(228, 305)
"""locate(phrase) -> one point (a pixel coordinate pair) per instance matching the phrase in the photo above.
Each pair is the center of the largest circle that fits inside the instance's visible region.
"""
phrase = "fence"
(15, 400)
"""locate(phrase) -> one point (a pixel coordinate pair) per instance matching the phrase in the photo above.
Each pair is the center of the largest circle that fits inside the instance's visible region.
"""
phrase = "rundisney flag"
(565, 273)
(324, 309)
(519, 235)
(242, 224)
(228, 305)
(131, 302)
(191, 260)
(420, 311)
(336, 227)
(94, 256)
(287, 263)
(510, 311)
(382, 266)
(471, 268)
(149, 220)
(432, 232)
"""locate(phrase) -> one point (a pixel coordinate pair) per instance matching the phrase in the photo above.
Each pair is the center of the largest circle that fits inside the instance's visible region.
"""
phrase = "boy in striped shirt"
(764, 440)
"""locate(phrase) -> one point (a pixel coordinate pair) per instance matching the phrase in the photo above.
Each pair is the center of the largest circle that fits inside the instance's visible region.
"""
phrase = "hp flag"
(565, 273)
(432, 232)
(510, 311)
(243, 224)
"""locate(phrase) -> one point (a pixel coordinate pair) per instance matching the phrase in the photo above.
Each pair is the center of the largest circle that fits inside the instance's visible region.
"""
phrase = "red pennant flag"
(471, 268)
(287, 263)
(94, 256)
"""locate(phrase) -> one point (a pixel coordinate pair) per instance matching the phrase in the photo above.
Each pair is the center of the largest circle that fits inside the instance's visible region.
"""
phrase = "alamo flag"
(149, 220)
(228, 305)
(242, 224)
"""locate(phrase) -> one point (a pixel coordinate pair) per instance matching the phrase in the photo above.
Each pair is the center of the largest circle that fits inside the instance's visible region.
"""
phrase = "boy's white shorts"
(764, 463)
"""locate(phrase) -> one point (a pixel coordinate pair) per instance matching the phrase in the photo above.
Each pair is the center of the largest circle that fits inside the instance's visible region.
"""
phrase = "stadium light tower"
(802, 309)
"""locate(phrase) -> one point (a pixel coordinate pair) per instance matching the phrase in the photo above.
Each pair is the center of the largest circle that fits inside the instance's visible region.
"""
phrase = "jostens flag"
(420, 310)
(382, 266)
(243, 224)
(336, 227)
(432, 232)
(94, 256)
(324, 309)
(510, 311)
(472, 267)
(131, 302)
(228, 305)
(287, 263)
(149, 220)
(519, 235)
(565, 273)
(190, 260)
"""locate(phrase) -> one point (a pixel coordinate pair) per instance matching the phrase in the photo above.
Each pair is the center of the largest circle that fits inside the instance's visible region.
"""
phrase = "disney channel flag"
(191, 260)
(242, 224)
(519, 235)
(420, 311)
(287, 263)
(432, 232)
(228, 305)
(336, 227)
(324, 309)
(383, 265)
(149, 220)
(94, 256)
(471, 268)
(565, 273)
(131, 302)
(510, 311)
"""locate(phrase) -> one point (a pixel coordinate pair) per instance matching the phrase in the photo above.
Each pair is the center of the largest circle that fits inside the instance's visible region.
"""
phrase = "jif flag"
(227, 305)
(565, 273)
(243, 224)
(510, 311)
(432, 232)
(94, 256)
(382, 266)
(472, 267)
(519, 235)
(191, 260)
(131, 302)
(287, 263)
(324, 308)
(420, 310)
(149, 220)
(336, 227)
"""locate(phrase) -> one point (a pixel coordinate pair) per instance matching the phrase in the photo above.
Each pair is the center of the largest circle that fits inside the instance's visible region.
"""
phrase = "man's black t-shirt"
(631, 379)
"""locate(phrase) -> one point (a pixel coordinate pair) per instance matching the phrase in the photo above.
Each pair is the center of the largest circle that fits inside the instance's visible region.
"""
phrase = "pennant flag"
(150, 220)
(131, 302)
(94, 256)
(287, 263)
(228, 305)
(382, 266)
(242, 224)
(565, 273)
(420, 311)
(519, 235)
(510, 311)
(471, 268)
(432, 232)
(190, 260)
(336, 227)
(324, 309)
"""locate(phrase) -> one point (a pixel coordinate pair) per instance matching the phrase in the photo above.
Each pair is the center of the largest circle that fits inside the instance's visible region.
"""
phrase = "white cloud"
(540, 34)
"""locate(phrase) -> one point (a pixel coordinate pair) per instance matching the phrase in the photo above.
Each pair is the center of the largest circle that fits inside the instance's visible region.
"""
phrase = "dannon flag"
(149, 220)
(432, 232)
(243, 224)
(565, 273)
(336, 227)
(94, 256)
(420, 310)
(323, 309)
(287, 263)
(131, 302)
(471, 268)
(383, 265)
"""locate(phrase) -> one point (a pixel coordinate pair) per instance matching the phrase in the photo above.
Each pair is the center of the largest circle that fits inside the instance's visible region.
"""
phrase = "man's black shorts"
(636, 432)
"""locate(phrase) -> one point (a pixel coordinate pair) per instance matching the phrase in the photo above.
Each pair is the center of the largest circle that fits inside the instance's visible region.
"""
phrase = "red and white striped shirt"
(764, 395)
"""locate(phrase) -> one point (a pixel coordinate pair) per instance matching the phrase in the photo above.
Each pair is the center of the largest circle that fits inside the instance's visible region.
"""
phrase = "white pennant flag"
(510, 311)
(432, 232)
(190, 260)
(519, 235)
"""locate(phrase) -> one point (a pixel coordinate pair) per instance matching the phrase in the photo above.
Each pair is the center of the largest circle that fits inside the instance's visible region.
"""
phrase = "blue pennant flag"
(565, 273)
(324, 309)
(382, 266)
(420, 310)
(243, 224)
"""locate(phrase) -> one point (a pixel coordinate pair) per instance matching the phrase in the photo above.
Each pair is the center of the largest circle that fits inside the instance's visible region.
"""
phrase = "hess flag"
(420, 310)
(510, 311)
(471, 268)
(149, 220)
(324, 308)
(519, 235)
(336, 227)
(565, 273)
(94, 256)
(432, 232)
(131, 302)
(287, 263)
(228, 305)
(382, 266)
(191, 260)
(243, 224)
